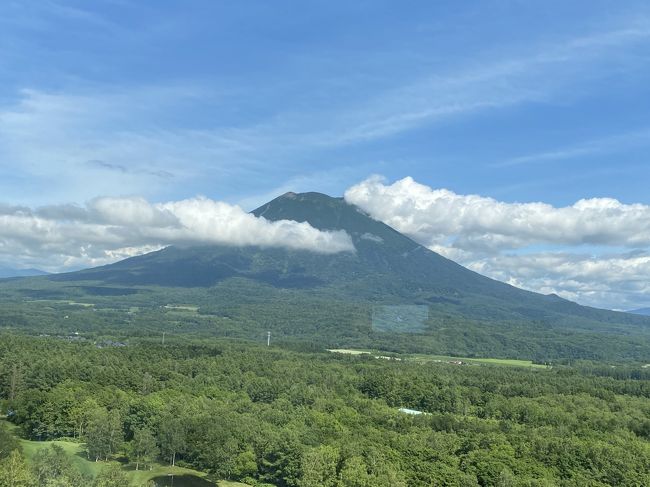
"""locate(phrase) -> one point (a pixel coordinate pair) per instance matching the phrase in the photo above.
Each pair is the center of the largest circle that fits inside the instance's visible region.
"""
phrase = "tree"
(50, 463)
(15, 382)
(143, 448)
(354, 473)
(387, 476)
(52, 468)
(172, 435)
(80, 415)
(506, 479)
(14, 471)
(111, 476)
(319, 467)
(7, 442)
(245, 464)
(104, 434)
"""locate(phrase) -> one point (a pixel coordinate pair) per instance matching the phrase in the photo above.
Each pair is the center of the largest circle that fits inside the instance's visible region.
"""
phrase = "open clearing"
(182, 308)
(444, 358)
(474, 360)
(77, 455)
(74, 451)
(349, 352)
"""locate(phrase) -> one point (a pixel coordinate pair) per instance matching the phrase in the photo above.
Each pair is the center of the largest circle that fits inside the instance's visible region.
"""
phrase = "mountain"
(6, 271)
(392, 293)
(641, 311)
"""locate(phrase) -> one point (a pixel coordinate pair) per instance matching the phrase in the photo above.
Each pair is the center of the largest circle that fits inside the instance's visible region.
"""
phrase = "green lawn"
(182, 308)
(74, 450)
(488, 361)
(349, 351)
(77, 454)
(445, 358)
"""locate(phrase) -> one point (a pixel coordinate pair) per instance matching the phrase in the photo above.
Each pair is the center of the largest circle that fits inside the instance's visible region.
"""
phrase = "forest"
(292, 415)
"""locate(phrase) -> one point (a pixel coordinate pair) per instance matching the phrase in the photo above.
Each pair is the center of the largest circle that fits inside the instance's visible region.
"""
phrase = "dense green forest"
(291, 416)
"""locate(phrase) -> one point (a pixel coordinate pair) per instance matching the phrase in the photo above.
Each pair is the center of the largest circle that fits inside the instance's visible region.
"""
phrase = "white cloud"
(502, 240)
(617, 281)
(479, 223)
(109, 229)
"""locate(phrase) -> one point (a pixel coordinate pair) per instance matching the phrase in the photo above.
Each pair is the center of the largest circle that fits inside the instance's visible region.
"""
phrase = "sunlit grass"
(474, 360)
(77, 455)
(75, 452)
(418, 357)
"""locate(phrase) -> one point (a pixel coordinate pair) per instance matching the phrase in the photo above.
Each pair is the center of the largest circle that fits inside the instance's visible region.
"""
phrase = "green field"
(77, 455)
(178, 307)
(484, 361)
(347, 351)
(74, 450)
(443, 358)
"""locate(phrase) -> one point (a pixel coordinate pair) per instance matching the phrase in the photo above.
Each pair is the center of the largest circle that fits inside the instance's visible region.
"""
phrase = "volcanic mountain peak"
(387, 269)
(334, 213)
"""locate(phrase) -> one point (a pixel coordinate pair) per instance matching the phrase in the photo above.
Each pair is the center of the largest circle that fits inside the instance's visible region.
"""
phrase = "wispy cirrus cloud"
(125, 170)
(533, 76)
(89, 144)
(603, 145)
(50, 136)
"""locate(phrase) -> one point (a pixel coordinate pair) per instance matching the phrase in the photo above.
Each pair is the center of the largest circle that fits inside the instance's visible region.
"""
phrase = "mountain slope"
(6, 272)
(391, 292)
(384, 250)
(641, 311)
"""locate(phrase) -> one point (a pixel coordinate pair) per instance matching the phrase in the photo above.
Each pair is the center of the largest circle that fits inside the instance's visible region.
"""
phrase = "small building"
(412, 412)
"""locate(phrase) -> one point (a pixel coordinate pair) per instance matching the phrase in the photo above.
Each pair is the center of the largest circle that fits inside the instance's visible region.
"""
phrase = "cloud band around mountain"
(595, 251)
(481, 223)
(107, 229)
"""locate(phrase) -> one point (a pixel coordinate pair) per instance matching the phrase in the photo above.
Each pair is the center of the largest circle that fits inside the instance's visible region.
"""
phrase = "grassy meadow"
(77, 454)
(425, 358)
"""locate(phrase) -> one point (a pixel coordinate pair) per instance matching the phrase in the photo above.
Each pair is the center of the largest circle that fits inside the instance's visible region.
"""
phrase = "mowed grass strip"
(418, 357)
(74, 451)
(349, 351)
(77, 455)
(474, 360)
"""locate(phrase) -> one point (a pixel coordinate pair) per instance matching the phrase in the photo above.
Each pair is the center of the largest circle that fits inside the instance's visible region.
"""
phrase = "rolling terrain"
(641, 311)
(391, 293)
(6, 271)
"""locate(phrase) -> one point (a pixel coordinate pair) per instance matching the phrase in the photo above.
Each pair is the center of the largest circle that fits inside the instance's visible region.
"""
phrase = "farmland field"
(444, 358)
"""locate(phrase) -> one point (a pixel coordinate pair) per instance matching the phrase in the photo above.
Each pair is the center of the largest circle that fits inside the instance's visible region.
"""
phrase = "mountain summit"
(391, 292)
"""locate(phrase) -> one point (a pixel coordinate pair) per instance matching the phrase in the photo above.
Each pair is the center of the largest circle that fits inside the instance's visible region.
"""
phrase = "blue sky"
(241, 101)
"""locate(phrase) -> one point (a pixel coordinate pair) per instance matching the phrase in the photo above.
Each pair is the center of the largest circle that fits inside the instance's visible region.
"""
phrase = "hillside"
(391, 293)
(6, 271)
(641, 311)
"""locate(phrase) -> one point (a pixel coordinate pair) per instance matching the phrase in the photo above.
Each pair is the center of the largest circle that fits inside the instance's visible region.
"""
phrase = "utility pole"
(163, 340)
(268, 338)
(14, 382)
